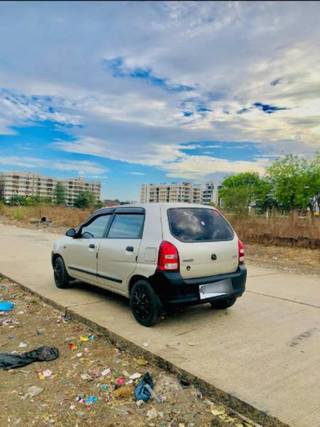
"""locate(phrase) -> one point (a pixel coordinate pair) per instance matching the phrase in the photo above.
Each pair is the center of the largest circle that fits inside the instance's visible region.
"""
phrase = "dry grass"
(59, 215)
(290, 231)
(279, 230)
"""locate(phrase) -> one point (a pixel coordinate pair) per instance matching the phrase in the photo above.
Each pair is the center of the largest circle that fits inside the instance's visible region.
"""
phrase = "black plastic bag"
(41, 354)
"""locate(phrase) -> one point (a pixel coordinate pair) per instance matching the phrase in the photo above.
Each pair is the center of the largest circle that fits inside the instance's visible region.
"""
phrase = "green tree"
(85, 199)
(59, 194)
(241, 190)
(294, 182)
(98, 204)
(32, 200)
(17, 200)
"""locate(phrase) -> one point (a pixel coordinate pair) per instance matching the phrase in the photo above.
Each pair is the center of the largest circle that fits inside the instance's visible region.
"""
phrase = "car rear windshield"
(198, 225)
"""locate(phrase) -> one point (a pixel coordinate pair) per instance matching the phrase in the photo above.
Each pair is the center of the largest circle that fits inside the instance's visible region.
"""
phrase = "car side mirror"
(71, 232)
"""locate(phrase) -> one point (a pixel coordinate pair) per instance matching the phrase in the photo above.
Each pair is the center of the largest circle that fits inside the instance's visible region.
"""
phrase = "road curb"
(241, 408)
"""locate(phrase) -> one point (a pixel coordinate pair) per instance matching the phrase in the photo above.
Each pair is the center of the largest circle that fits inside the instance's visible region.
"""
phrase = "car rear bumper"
(174, 290)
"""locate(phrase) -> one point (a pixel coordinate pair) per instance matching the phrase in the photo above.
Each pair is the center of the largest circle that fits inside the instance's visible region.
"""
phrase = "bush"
(84, 200)
(17, 201)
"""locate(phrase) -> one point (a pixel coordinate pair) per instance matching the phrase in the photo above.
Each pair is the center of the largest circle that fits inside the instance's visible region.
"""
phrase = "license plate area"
(216, 289)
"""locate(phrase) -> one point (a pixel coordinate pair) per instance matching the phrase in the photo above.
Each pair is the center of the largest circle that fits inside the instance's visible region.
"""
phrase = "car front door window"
(96, 228)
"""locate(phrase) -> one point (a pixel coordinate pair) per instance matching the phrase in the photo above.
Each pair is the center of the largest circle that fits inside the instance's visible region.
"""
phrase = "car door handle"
(92, 246)
(130, 248)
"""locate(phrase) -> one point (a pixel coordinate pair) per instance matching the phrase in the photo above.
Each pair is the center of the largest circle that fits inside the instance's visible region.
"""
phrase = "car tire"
(222, 304)
(61, 277)
(145, 304)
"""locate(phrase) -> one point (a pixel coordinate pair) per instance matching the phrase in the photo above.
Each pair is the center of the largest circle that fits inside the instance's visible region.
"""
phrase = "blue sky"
(138, 92)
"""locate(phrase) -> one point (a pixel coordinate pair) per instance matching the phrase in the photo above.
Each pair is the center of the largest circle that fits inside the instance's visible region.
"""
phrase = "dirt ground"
(297, 260)
(89, 384)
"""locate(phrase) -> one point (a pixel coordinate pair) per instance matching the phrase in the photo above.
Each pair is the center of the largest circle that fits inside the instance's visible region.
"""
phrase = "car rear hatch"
(206, 243)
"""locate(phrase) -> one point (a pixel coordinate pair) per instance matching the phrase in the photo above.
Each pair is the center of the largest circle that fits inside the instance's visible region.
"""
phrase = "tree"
(98, 204)
(59, 194)
(32, 200)
(241, 190)
(85, 199)
(16, 200)
(293, 180)
(291, 183)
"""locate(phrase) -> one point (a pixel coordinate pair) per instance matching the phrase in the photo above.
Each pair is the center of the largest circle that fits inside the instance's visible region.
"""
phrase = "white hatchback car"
(157, 255)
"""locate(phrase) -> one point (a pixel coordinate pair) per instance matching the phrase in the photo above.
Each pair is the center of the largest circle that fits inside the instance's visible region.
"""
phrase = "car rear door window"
(96, 228)
(126, 226)
(198, 225)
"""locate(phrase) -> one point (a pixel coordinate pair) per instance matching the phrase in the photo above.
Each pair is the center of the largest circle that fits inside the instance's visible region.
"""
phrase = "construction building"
(36, 185)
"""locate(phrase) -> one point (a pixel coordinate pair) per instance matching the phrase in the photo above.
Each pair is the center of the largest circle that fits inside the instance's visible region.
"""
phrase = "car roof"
(145, 206)
(166, 204)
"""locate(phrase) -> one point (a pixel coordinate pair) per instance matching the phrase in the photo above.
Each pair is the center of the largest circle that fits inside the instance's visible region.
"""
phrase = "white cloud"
(82, 167)
(230, 52)
(201, 167)
(29, 162)
(153, 154)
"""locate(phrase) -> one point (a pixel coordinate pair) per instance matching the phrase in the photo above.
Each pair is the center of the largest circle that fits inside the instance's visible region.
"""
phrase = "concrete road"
(265, 350)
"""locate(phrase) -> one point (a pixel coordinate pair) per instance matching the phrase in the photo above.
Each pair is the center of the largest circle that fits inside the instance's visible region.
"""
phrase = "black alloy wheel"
(145, 303)
(61, 277)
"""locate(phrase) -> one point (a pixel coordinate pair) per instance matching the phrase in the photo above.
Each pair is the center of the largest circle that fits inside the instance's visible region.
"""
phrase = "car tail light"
(168, 259)
(240, 251)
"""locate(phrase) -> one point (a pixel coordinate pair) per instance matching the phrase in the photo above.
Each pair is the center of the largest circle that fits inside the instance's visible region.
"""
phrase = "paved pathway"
(264, 351)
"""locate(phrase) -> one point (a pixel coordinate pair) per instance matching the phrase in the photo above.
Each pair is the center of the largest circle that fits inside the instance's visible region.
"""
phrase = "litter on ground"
(15, 360)
(32, 392)
(90, 400)
(72, 346)
(45, 374)
(87, 382)
(105, 372)
(143, 390)
(6, 306)
(23, 345)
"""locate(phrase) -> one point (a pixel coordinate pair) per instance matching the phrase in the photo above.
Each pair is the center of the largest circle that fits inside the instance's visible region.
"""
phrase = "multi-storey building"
(26, 184)
(31, 184)
(210, 193)
(181, 192)
(74, 186)
(176, 192)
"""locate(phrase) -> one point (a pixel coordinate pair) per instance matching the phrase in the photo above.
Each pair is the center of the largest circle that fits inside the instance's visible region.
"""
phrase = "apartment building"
(31, 184)
(180, 192)
(210, 193)
(74, 186)
(26, 184)
(175, 192)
